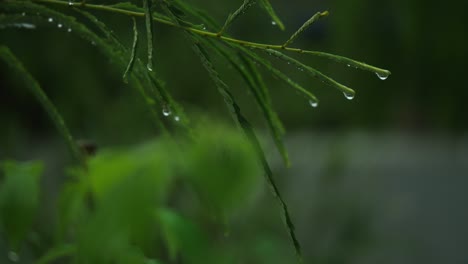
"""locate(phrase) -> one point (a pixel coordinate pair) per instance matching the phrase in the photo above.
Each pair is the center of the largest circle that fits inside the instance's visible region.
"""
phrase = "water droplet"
(177, 118)
(349, 65)
(13, 256)
(50, 19)
(69, 30)
(313, 103)
(59, 25)
(23, 14)
(166, 111)
(149, 66)
(273, 23)
(93, 43)
(382, 76)
(70, 3)
(349, 96)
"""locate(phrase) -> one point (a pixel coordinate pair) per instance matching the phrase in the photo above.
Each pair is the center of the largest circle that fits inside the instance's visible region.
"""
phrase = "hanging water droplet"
(349, 96)
(59, 25)
(13, 256)
(23, 14)
(166, 111)
(50, 19)
(349, 65)
(273, 23)
(149, 66)
(70, 3)
(69, 30)
(382, 76)
(177, 118)
(313, 103)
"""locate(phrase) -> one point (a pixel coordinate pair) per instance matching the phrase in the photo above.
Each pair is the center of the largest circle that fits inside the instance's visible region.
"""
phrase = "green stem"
(348, 61)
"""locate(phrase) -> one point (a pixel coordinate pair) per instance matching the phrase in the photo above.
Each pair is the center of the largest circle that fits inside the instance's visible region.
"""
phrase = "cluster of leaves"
(119, 209)
(242, 55)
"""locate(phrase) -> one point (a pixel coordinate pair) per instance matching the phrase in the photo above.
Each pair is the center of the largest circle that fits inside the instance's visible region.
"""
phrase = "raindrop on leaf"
(313, 103)
(166, 111)
(349, 96)
(382, 76)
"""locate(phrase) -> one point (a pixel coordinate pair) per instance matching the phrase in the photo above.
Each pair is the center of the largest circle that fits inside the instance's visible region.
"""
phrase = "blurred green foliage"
(119, 210)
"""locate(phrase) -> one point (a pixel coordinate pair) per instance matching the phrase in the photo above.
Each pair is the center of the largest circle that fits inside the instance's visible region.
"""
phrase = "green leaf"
(128, 185)
(183, 238)
(309, 96)
(314, 73)
(56, 253)
(19, 199)
(223, 167)
(266, 4)
(307, 24)
(248, 131)
(255, 83)
(149, 32)
(134, 50)
(42, 98)
(128, 6)
(232, 17)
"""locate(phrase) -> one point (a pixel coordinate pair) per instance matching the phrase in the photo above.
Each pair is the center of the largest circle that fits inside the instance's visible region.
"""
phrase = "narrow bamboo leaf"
(256, 85)
(248, 130)
(274, 123)
(149, 32)
(311, 97)
(309, 22)
(42, 98)
(113, 40)
(128, 6)
(197, 13)
(276, 20)
(313, 72)
(232, 17)
(381, 73)
(134, 50)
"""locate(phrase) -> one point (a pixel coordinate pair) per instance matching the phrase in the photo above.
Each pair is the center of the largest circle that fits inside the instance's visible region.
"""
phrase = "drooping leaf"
(258, 88)
(248, 130)
(19, 199)
(42, 98)
(149, 32)
(314, 73)
(134, 50)
(309, 96)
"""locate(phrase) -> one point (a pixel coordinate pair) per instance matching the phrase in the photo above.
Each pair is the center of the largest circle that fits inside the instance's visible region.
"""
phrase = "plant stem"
(340, 59)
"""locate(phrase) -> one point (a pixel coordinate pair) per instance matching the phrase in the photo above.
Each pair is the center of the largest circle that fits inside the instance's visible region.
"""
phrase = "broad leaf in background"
(19, 199)
(223, 167)
(127, 186)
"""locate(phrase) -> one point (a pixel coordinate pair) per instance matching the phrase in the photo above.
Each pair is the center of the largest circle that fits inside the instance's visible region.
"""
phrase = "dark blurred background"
(379, 179)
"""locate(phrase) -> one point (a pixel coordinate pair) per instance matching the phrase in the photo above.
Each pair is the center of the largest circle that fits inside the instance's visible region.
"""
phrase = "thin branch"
(340, 59)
